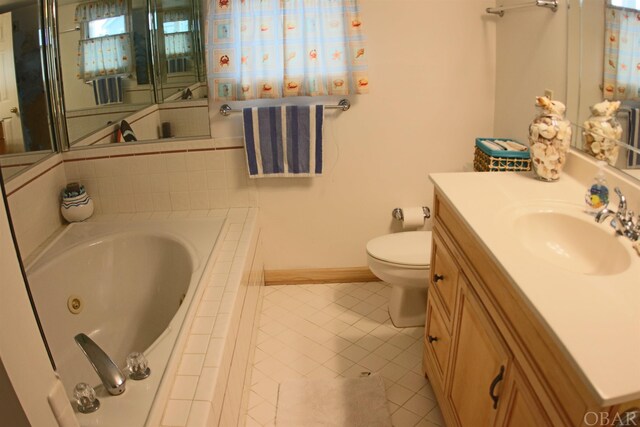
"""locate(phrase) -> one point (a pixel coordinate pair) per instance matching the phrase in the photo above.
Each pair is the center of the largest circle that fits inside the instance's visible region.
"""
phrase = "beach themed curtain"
(102, 56)
(621, 54)
(177, 44)
(94, 10)
(279, 48)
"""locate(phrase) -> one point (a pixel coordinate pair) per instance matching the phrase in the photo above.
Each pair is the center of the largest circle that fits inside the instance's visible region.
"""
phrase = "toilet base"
(408, 306)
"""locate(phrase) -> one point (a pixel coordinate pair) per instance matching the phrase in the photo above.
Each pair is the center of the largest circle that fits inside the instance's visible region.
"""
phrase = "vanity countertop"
(595, 319)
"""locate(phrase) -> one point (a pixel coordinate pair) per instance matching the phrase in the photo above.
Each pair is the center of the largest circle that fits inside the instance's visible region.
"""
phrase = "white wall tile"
(197, 180)
(218, 198)
(178, 182)
(176, 162)
(144, 202)
(161, 202)
(184, 387)
(179, 201)
(195, 162)
(214, 160)
(176, 413)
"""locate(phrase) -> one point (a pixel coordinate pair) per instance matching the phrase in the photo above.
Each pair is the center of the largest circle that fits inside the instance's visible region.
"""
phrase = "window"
(628, 4)
(176, 26)
(107, 27)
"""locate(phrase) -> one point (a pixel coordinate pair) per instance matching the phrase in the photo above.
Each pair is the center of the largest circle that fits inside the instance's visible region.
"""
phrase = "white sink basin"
(571, 240)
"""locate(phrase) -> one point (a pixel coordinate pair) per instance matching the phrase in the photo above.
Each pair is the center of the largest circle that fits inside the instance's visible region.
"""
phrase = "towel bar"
(343, 105)
(549, 4)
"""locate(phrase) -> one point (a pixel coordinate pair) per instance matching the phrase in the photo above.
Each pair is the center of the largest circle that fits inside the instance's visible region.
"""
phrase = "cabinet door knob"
(493, 385)
(432, 339)
(437, 278)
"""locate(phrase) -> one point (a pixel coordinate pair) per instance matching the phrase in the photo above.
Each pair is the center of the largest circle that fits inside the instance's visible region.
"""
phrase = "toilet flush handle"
(437, 278)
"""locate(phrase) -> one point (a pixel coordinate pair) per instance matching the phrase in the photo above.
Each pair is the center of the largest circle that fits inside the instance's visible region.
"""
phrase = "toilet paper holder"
(399, 215)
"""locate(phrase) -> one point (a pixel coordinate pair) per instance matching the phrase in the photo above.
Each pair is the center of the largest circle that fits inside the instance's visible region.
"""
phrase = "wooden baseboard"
(319, 275)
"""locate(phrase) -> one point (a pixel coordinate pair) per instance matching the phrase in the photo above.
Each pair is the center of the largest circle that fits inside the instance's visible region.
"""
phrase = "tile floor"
(338, 330)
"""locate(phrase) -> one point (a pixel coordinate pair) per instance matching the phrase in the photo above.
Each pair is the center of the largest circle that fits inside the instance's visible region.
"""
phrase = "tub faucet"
(622, 221)
(111, 376)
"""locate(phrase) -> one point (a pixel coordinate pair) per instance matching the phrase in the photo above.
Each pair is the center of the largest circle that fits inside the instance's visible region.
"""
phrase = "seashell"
(605, 108)
(548, 132)
(552, 107)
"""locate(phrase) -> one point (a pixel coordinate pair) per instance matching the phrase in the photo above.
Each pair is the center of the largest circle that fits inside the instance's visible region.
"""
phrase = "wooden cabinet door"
(437, 342)
(444, 277)
(480, 364)
(521, 407)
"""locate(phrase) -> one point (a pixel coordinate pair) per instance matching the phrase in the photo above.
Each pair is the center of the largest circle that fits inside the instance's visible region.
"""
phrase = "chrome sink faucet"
(623, 220)
(111, 376)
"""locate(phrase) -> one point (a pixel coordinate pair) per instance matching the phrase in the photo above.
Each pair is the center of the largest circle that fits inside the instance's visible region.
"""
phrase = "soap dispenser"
(597, 196)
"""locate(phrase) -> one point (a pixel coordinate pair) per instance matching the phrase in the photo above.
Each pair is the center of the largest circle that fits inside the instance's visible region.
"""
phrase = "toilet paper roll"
(413, 217)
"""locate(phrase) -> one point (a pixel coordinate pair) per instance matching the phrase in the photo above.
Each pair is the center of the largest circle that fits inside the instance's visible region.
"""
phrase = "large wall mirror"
(140, 61)
(609, 68)
(25, 131)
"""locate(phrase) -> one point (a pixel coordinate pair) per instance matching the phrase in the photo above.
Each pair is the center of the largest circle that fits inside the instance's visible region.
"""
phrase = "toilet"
(402, 260)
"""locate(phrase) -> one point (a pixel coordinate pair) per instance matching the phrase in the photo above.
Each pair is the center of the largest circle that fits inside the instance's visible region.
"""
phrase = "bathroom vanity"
(513, 338)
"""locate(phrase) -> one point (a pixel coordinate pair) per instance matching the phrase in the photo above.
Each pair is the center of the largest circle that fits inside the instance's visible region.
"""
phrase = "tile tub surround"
(182, 179)
(204, 380)
(333, 331)
(149, 177)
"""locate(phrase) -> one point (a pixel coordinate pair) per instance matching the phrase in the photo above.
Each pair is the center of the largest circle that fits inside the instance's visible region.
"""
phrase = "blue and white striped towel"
(283, 141)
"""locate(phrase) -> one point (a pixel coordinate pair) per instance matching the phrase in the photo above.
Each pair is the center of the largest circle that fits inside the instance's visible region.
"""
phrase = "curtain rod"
(549, 4)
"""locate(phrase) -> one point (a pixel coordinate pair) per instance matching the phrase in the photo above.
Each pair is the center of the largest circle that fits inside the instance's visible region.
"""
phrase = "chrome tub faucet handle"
(111, 376)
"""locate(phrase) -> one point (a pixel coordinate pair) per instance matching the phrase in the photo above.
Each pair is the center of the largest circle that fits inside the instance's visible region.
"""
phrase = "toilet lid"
(408, 248)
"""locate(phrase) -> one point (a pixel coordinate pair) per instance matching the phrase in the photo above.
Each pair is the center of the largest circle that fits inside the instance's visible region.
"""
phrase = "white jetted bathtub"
(127, 285)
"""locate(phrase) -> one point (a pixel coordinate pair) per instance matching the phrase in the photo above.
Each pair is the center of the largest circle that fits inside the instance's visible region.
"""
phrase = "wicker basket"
(491, 161)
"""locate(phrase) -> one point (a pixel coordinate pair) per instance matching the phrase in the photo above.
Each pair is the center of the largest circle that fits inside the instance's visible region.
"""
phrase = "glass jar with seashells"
(602, 131)
(549, 139)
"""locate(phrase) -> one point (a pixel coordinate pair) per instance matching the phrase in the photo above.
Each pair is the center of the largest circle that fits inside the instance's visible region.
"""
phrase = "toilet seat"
(411, 249)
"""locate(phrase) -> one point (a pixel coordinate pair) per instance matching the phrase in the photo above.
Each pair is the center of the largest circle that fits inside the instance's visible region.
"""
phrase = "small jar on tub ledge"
(76, 204)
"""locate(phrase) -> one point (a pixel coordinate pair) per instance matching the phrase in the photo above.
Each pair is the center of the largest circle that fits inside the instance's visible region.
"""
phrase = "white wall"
(21, 348)
(432, 73)
(531, 57)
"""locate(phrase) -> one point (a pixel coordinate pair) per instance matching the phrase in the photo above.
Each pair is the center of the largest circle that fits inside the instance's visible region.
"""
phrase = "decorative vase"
(549, 138)
(76, 204)
(602, 131)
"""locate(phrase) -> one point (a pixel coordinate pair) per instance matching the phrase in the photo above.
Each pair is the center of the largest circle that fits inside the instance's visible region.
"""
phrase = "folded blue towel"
(108, 90)
(283, 141)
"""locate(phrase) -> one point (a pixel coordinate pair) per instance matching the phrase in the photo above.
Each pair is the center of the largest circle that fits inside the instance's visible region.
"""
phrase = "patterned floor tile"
(338, 330)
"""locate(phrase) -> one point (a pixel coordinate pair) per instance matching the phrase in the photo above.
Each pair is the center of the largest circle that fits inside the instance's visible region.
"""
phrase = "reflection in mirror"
(609, 71)
(180, 50)
(104, 60)
(129, 69)
(25, 133)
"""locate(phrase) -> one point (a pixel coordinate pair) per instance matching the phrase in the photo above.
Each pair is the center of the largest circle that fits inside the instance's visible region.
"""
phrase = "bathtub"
(128, 286)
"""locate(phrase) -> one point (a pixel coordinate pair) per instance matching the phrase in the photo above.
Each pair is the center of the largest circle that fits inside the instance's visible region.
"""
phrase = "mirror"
(588, 30)
(134, 60)
(25, 133)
